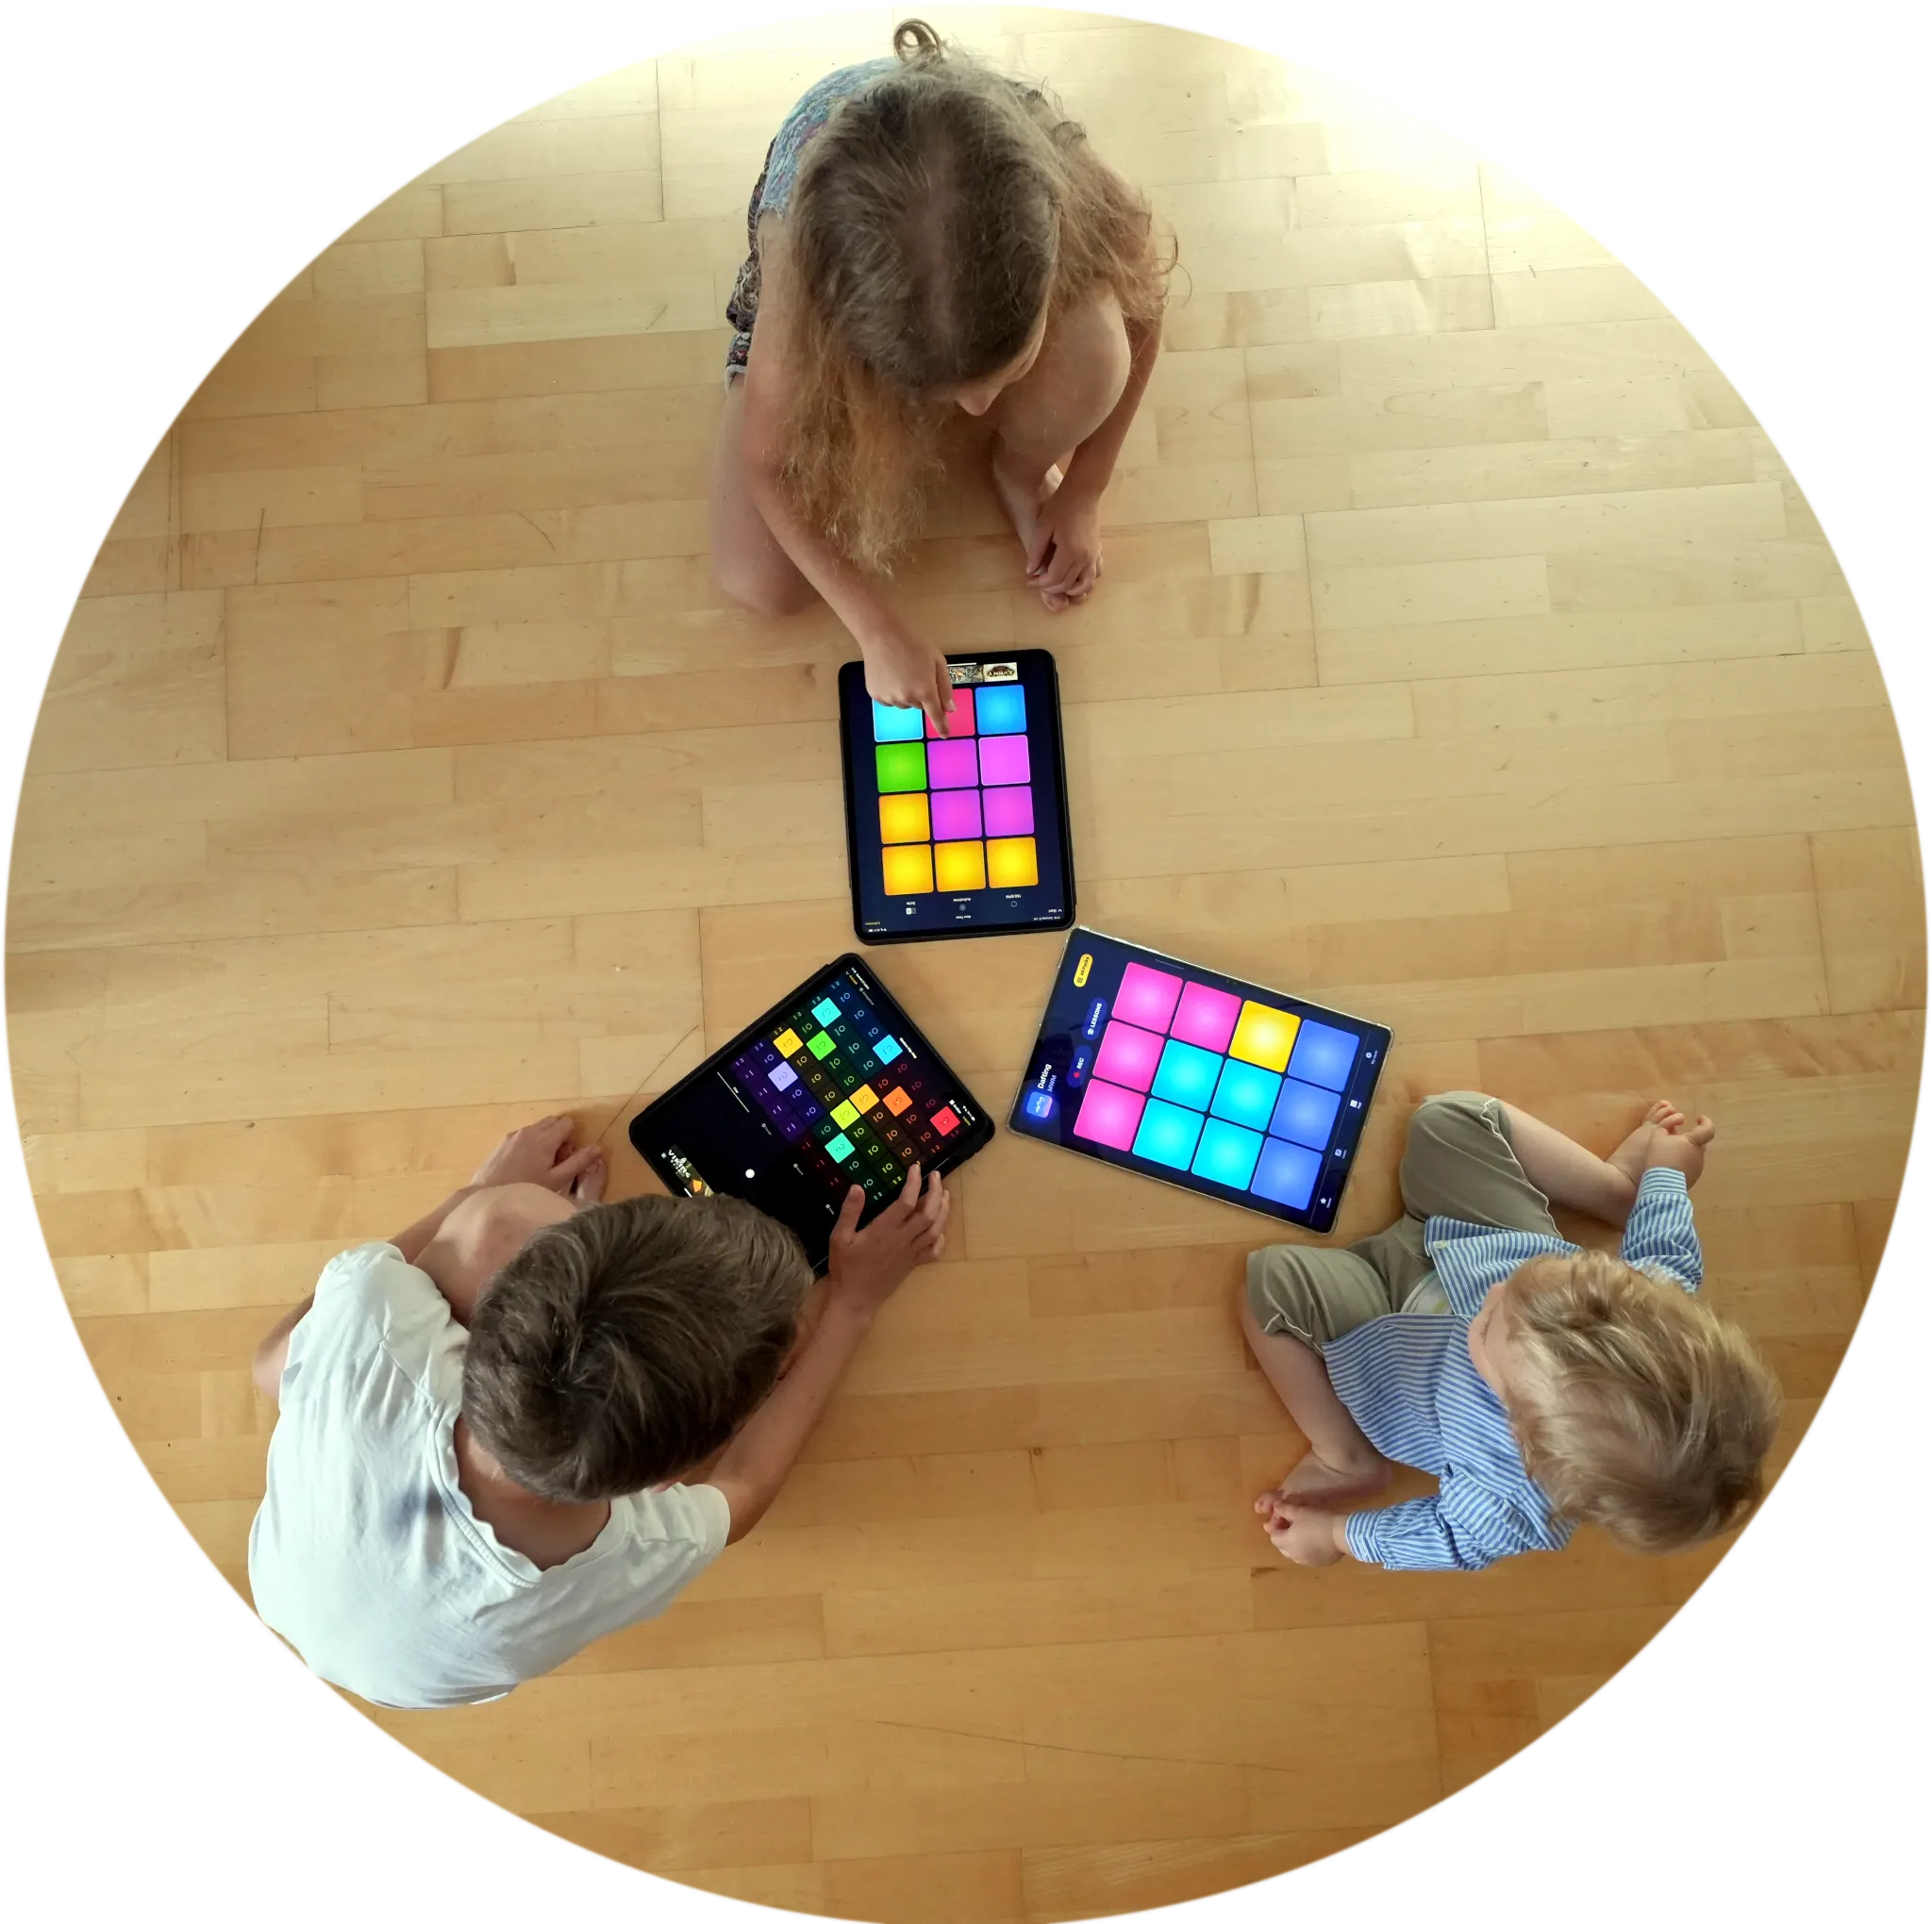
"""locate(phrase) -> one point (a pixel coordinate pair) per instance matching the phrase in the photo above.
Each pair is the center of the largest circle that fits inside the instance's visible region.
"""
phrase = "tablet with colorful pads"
(1200, 1080)
(833, 1085)
(965, 834)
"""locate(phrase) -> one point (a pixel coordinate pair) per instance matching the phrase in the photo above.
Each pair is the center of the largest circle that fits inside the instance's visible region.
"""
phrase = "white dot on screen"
(749, 1175)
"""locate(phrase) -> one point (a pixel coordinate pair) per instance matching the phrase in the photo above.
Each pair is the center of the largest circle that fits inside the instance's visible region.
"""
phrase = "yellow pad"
(1012, 862)
(788, 1044)
(844, 1114)
(904, 818)
(909, 868)
(959, 865)
(1264, 1037)
(864, 1096)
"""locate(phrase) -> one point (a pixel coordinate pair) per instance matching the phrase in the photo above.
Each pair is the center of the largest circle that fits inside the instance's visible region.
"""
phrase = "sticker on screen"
(1200, 1080)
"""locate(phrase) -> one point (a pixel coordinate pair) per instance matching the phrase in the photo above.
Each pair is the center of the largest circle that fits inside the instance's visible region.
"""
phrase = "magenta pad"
(956, 818)
(951, 764)
(1146, 997)
(1009, 811)
(1110, 1115)
(1128, 1056)
(959, 716)
(1003, 758)
(1207, 1017)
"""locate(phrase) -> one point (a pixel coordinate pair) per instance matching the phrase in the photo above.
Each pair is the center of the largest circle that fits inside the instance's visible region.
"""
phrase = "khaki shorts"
(1459, 1162)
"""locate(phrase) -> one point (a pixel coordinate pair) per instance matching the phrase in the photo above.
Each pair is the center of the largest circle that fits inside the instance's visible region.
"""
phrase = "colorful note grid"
(843, 1090)
(956, 814)
(1189, 1077)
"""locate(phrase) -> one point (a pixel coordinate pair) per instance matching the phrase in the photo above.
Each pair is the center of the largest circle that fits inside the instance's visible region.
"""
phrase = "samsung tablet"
(1200, 1080)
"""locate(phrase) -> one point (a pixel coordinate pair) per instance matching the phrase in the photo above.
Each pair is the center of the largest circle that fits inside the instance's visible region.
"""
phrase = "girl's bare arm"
(903, 667)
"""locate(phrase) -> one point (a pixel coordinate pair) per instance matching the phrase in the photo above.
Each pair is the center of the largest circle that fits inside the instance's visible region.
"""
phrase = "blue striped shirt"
(1410, 1383)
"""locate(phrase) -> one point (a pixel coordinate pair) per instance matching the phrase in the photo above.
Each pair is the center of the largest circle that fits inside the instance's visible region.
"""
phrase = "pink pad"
(1003, 758)
(1110, 1115)
(1148, 997)
(1206, 1016)
(959, 716)
(1128, 1056)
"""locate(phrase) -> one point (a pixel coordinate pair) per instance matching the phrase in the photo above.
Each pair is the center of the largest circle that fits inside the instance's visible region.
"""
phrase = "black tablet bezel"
(973, 1137)
(1026, 1131)
(854, 703)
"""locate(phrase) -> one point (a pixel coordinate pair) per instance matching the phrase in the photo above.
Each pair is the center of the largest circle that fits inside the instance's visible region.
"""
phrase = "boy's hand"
(904, 670)
(869, 1264)
(1680, 1148)
(1306, 1535)
(540, 1152)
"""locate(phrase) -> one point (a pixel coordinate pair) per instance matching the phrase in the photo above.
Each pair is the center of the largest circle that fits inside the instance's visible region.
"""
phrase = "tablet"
(1200, 1080)
(832, 1086)
(968, 834)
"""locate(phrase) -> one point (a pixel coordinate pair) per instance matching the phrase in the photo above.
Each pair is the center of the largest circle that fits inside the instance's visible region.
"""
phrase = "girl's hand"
(904, 670)
(869, 1264)
(540, 1152)
(1063, 557)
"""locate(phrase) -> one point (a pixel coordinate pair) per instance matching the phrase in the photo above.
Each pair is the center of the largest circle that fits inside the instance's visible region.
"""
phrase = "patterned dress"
(772, 194)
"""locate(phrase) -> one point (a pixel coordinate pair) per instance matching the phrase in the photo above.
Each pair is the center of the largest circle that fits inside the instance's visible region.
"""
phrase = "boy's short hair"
(616, 1349)
(1638, 1408)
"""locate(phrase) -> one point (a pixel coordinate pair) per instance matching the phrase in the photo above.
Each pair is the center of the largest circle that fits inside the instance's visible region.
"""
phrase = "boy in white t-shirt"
(487, 1422)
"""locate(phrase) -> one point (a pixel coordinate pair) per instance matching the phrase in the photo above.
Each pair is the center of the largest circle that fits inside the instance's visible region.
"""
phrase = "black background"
(167, 177)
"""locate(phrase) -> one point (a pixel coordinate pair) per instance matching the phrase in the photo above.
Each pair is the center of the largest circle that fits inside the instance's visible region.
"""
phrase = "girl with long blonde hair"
(928, 238)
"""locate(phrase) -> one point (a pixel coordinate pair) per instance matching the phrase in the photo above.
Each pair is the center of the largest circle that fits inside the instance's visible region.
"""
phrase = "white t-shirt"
(366, 1555)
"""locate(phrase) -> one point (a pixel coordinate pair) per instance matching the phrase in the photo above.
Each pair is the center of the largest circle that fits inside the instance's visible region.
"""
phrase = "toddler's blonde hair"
(1638, 1409)
(937, 212)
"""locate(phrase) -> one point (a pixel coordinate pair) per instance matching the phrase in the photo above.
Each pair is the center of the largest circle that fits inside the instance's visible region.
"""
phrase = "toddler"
(927, 238)
(1544, 1385)
(532, 1418)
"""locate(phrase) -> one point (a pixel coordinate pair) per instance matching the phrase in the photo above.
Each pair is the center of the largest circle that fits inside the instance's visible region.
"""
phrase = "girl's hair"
(1638, 1409)
(937, 212)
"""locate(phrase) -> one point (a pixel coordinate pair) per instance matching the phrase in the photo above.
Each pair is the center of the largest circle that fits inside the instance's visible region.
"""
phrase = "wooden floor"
(1467, 657)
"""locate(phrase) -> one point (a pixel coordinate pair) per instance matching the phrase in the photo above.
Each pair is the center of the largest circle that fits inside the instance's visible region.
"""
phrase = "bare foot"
(1022, 502)
(1325, 1484)
(1627, 1157)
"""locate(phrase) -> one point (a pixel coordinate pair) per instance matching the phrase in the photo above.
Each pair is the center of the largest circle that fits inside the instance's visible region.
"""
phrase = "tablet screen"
(832, 1086)
(1200, 1080)
(965, 834)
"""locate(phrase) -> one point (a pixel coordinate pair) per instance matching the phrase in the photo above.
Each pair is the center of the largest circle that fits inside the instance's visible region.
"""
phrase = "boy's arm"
(1660, 1229)
(866, 1267)
(272, 1352)
(1461, 1529)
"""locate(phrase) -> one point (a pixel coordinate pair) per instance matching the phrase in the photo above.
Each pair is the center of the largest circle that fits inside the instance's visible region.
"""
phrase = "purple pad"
(1009, 811)
(955, 815)
(951, 764)
(1003, 758)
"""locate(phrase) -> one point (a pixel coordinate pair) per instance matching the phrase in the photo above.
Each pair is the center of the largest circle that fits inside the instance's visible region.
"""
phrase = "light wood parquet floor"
(1467, 657)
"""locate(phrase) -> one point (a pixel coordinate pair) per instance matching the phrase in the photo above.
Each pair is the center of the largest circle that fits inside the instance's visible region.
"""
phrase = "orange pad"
(1012, 862)
(909, 868)
(864, 1098)
(898, 1101)
(904, 818)
(959, 865)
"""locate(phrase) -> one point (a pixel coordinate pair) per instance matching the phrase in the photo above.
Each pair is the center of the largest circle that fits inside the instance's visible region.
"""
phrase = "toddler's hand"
(905, 670)
(1063, 557)
(1680, 1146)
(869, 1264)
(1305, 1535)
(540, 1152)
